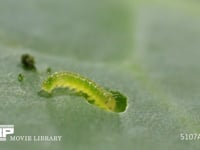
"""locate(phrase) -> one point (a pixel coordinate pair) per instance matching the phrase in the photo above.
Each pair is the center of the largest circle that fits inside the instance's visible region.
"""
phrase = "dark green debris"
(48, 70)
(20, 77)
(28, 62)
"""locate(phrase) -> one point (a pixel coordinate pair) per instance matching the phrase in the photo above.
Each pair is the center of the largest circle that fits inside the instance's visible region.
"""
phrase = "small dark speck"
(28, 62)
(20, 77)
(48, 70)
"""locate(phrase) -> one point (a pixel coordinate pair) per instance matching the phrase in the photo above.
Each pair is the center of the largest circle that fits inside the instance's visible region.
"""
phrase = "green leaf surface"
(148, 50)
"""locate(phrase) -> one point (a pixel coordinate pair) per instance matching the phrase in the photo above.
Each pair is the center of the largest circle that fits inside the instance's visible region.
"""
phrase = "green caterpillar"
(95, 94)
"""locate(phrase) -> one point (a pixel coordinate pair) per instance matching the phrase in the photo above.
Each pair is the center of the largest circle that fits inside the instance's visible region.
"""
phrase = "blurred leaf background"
(148, 50)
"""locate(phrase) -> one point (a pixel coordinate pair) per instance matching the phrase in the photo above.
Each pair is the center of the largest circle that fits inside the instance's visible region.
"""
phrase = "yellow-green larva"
(99, 96)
